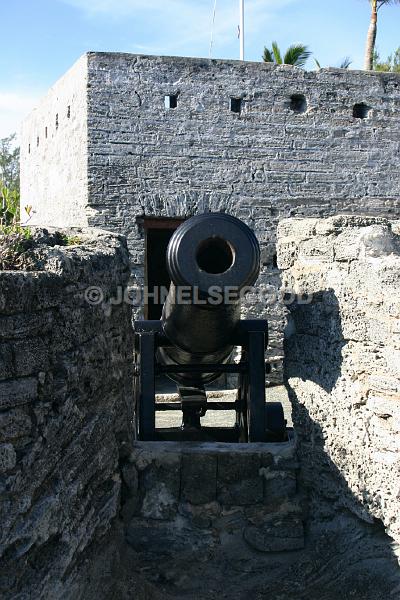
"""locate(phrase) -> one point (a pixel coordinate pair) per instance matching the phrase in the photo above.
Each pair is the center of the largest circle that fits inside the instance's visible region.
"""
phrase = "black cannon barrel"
(211, 259)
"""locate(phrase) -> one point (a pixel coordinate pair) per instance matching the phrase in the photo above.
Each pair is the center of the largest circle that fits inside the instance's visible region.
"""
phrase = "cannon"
(212, 260)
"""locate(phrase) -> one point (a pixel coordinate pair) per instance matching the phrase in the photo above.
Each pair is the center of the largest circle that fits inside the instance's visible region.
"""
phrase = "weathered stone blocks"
(16, 392)
(65, 410)
(239, 481)
(202, 495)
(341, 361)
(276, 535)
(199, 478)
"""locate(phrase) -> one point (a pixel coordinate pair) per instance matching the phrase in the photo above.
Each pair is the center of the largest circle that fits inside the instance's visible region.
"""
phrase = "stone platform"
(222, 521)
(185, 498)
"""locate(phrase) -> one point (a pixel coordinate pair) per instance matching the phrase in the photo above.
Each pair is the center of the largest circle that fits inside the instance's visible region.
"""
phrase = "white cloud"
(14, 107)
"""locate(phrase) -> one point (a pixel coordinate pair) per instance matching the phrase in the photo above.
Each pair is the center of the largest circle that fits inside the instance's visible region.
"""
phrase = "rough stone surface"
(199, 492)
(131, 157)
(65, 398)
(219, 547)
(342, 360)
(276, 535)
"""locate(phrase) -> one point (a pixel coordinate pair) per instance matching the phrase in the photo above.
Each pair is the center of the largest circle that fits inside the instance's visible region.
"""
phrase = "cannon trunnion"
(212, 259)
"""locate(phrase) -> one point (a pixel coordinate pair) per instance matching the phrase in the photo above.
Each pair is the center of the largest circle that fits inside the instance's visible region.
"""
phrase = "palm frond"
(381, 3)
(345, 63)
(277, 53)
(317, 63)
(267, 55)
(297, 54)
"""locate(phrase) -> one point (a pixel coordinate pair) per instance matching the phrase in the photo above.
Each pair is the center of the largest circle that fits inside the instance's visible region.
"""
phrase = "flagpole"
(241, 29)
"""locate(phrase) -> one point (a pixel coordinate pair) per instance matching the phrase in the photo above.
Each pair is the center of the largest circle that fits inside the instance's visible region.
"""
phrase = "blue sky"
(41, 39)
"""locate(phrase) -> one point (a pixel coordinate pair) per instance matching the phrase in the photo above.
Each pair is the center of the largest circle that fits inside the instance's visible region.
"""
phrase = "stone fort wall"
(65, 415)
(258, 141)
(54, 165)
(342, 361)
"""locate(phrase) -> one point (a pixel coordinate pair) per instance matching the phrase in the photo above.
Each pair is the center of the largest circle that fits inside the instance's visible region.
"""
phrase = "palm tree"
(371, 37)
(297, 55)
(344, 63)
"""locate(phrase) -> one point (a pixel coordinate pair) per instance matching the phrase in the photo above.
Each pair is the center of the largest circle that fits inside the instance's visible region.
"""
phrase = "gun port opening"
(361, 111)
(298, 103)
(171, 101)
(236, 105)
(215, 256)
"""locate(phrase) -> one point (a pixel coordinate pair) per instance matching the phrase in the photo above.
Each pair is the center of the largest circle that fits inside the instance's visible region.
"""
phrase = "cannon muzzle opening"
(215, 256)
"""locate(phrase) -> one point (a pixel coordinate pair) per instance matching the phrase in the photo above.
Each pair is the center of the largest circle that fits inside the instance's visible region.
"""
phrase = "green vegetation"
(297, 55)
(9, 184)
(72, 240)
(376, 5)
(9, 163)
(17, 243)
(344, 63)
(392, 64)
(14, 239)
(9, 215)
(15, 246)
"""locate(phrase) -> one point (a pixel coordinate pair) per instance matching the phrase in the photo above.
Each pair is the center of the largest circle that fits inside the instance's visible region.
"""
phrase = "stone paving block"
(238, 479)
(160, 483)
(199, 478)
(278, 485)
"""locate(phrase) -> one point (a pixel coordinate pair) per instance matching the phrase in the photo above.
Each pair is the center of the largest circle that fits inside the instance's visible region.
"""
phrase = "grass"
(16, 242)
(72, 240)
(15, 253)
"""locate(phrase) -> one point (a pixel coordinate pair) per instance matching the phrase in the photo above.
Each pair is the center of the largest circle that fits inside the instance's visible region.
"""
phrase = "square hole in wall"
(361, 111)
(171, 101)
(236, 105)
(298, 103)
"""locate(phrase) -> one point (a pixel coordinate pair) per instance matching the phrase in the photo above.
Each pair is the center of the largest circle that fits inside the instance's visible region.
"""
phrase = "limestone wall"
(275, 158)
(304, 143)
(65, 407)
(342, 360)
(54, 154)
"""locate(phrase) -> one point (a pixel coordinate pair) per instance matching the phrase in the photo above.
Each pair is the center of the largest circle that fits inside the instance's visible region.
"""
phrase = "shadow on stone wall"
(352, 554)
(323, 360)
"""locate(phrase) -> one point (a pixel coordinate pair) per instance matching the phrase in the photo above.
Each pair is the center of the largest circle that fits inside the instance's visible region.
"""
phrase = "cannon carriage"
(213, 260)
